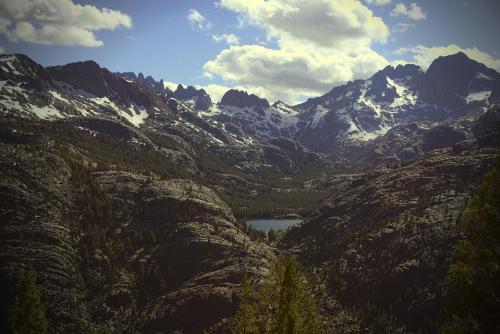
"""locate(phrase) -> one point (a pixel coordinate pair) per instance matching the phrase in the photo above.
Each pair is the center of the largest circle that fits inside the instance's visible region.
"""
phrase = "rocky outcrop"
(199, 97)
(414, 140)
(148, 81)
(389, 238)
(91, 78)
(242, 99)
(199, 254)
(487, 128)
(21, 68)
(35, 200)
(450, 79)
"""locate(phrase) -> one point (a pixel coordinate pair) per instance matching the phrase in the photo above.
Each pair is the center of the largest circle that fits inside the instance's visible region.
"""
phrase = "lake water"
(276, 224)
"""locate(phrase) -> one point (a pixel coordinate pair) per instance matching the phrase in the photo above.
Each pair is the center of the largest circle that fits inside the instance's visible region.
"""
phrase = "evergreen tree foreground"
(27, 315)
(282, 305)
(474, 280)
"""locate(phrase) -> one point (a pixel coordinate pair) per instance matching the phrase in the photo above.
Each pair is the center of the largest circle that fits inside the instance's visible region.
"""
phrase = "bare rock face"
(35, 200)
(389, 238)
(148, 81)
(90, 77)
(22, 68)
(450, 77)
(200, 256)
(155, 255)
(242, 99)
(199, 97)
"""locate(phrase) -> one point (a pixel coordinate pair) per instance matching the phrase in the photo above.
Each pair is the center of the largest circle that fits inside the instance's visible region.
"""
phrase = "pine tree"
(297, 311)
(271, 235)
(288, 316)
(28, 313)
(245, 321)
(282, 305)
(474, 280)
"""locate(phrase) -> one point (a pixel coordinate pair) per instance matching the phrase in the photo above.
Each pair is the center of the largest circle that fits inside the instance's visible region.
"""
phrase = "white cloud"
(323, 22)
(230, 39)
(423, 56)
(285, 74)
(215, 91)
(378, 2)
(320, 44)
(2, 50)
(170, 85)
(60, 22)
(402, 27)
(413, 11)
(197, 20)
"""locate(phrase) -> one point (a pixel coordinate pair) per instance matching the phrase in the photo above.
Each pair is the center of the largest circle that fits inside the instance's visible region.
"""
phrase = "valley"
(129, 199)
(272, 224)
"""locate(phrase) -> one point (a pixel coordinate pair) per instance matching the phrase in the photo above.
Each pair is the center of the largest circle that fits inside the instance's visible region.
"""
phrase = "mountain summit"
(242, 99)
(197, 98)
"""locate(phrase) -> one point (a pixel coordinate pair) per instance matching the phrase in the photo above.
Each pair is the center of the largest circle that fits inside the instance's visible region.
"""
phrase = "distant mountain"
(450, 81)
(453, 87)
(242, 99)
(254, 116)
(148, 81)
(198, 99)
(88, 76)
(100, 101)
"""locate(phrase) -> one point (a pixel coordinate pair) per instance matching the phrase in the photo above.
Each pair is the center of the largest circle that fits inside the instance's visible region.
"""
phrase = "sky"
(285, 50)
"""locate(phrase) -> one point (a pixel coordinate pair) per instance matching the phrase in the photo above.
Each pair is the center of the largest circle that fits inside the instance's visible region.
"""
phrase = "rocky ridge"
(174, 246)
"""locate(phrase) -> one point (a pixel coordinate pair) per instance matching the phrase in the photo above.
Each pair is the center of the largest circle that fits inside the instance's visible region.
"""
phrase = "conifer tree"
(271, 235)
(282, 305)
(297, 311)
(28, 313)
(474, 280)
(245, 321)
(288, 316)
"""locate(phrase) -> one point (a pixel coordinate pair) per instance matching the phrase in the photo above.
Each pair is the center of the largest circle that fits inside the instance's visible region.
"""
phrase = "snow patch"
(367, 101)
(478, 96)
(321, 112)
(45, 112)
(9, 62)
(13, 88)
(482, 76)
(11, 104)
(58, 96)
(405, 95)
(139, 114)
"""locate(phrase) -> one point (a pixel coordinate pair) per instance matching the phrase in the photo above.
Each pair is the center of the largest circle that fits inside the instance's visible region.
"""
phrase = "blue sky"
(279, 49)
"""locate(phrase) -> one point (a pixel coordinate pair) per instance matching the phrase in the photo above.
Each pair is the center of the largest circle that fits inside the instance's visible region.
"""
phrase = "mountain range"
(453, 88)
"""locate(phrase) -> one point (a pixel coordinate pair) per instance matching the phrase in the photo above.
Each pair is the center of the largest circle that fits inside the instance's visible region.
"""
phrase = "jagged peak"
(399, 71)
(188, 91)
(280, 103)
(239, 98)
(459, 55)
(457, 60)
(203, 100)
